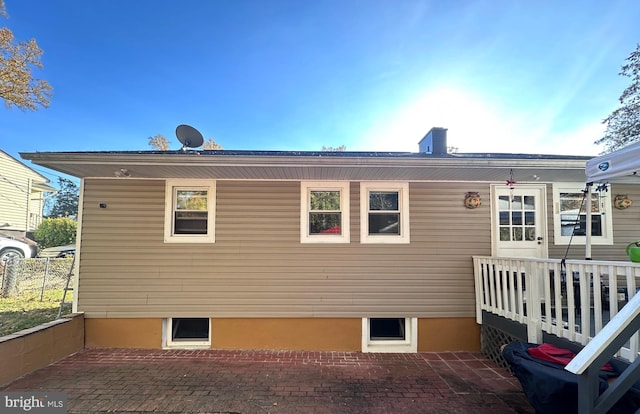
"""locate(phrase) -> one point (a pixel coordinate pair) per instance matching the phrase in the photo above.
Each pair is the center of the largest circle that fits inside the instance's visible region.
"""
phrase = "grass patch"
(26, 311)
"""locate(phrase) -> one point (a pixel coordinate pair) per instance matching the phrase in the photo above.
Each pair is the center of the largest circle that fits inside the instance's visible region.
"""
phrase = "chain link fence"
(33, 276)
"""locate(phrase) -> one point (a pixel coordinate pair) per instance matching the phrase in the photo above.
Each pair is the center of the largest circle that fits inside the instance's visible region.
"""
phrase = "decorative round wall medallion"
(472, 200)
(622, 201)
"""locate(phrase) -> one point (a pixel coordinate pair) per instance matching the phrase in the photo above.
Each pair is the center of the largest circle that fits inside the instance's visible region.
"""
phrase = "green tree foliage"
(65, 201)
(18, 86)
(623, 124)
(57, 231)
(325, 213)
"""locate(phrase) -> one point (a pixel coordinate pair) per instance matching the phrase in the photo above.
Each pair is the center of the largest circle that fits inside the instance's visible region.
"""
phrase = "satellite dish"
(189, 136)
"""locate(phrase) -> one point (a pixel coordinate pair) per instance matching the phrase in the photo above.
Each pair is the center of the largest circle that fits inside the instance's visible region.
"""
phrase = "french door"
(519, 221)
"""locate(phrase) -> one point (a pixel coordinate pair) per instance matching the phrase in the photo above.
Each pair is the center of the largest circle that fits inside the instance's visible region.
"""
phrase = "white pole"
(587, 244)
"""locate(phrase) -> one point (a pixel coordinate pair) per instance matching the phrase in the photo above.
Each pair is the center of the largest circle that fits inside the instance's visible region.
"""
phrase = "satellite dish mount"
(189, 137)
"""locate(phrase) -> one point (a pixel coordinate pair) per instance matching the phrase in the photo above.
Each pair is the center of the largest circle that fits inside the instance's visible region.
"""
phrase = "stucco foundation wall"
(322, 334)
(305, 334)
(448, 334)
(35, 348)
(123, 333)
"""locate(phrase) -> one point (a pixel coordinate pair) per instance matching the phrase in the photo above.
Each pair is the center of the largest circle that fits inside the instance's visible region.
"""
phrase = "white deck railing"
(573, 300)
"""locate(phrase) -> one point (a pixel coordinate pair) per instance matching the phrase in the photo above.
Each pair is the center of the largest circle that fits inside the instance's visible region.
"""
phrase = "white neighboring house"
(21, 197)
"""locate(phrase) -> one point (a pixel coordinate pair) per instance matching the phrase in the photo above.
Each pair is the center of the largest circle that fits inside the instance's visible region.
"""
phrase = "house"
(21, 197)
(344, 251)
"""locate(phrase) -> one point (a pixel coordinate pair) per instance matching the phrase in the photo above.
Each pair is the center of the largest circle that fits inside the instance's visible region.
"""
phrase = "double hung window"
(189, 211)
(384, 212)
(570, 215)
(325, 212)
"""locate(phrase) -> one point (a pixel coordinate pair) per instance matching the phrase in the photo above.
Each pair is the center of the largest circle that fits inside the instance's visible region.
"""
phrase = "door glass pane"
(530, 233)
(517, 233)
(504, 218)
(529, 218)
(516, 218)
(503, 203)
(504, 234)
(516, 203)
(529, 202)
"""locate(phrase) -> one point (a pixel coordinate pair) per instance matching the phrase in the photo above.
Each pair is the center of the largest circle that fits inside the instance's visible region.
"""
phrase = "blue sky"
(374, 75)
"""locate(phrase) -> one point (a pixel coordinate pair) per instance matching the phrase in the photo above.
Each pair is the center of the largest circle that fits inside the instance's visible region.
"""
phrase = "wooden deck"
(573, 299)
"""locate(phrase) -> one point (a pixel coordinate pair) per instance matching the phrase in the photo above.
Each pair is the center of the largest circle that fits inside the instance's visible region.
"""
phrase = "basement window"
(389, 335)
(387, 329)
(187, 332)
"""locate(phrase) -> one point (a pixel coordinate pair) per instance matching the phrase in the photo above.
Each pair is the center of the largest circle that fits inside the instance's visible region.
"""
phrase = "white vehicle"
(15, 249)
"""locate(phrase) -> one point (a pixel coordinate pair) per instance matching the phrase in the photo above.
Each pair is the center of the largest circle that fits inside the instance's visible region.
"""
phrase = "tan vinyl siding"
(258, 268)
(15, 183)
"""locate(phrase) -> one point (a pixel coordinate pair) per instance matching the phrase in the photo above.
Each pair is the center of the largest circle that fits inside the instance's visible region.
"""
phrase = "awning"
(622, 163)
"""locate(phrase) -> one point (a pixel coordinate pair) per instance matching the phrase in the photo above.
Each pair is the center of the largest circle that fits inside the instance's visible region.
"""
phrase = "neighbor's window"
(189, 215)
(187, 332)
(570, 215)
(324, 212)
(389, 334)
(384, 212)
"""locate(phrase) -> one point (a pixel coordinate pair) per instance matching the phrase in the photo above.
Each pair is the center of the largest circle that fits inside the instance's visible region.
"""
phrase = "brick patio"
(212, 381)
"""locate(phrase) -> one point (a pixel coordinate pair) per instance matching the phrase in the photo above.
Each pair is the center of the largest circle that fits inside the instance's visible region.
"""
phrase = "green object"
(633, 251)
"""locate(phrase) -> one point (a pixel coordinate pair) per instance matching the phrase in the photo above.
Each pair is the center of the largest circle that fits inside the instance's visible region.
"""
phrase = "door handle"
(539, 239)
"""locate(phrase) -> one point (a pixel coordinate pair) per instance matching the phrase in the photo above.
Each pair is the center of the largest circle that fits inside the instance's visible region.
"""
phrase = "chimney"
(435, 142)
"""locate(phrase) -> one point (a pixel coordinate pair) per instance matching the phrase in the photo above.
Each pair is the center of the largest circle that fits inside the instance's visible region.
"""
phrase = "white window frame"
(409, 344)
(168, 341)
(607, 225)
(171, 186)
(305, 207)
(403, 208)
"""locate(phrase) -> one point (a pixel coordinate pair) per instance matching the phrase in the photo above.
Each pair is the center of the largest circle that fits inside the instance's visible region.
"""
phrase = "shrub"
(57, 231)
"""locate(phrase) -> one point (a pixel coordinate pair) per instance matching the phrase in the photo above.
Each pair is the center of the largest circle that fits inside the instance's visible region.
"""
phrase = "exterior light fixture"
(122, 172)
